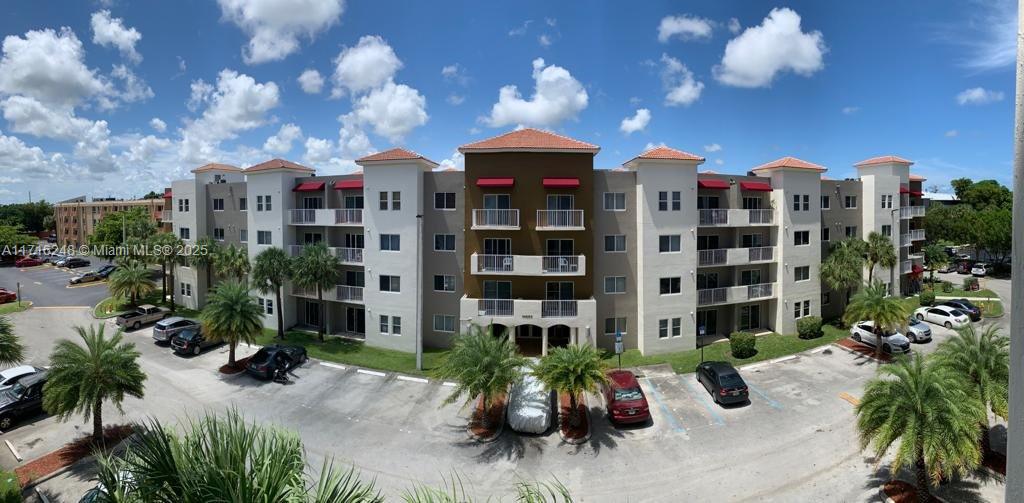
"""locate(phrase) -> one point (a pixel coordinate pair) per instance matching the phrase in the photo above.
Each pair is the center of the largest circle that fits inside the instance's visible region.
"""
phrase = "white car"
(12, 375)
(892, 342)
(949, 317)
(530, 406)
(979, 270)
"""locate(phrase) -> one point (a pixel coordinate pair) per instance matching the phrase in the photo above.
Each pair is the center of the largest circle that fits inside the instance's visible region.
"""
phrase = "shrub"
(927, 298)
(10, 489)
(808, 327)
(970, 283)
(947, 286)
(743, 344)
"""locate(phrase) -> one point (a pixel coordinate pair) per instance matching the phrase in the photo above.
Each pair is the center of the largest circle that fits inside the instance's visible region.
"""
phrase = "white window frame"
(615, 325)
(796, 233)
(826, 203)
(392, 240)
(796, 276)
(847, 200)
(444, 319)
(826, 233)
(444, 282)
(384, 324)
(616, 238)
(243, 204)
(221, 238)
(615, 196)
(396, 325)
(446, 236)
(391, 279)
(678, 243)
(269, 240)
(243, 235)
(218, 200)
(670, 278)
(615, 284)
(446, 208)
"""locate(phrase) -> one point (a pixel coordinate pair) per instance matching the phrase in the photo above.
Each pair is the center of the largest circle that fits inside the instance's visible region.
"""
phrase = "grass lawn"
(111, 307)
(991, 308)
(768, 347)
(350, 352)
(13, 307)
(960, 292)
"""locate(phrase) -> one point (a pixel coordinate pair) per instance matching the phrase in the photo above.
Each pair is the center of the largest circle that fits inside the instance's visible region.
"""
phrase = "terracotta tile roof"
(278, 164)
(395, 154)
(530, 140)
(215, 166)
(914, 177)
(790, 162)
(885, 159)
(668, 154)
(708, 172)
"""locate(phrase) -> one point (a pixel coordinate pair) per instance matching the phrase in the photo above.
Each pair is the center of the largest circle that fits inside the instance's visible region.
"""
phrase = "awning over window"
(309, 187)
(561, 183)
(167, 194)
(904, 190)
(917, 193)
(713, 184)
(356, 183)
(495, 182)
(757, 186)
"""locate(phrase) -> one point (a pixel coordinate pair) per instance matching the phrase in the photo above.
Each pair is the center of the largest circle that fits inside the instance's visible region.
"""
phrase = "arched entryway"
(529, 340)
(499, 330)
(559, 336)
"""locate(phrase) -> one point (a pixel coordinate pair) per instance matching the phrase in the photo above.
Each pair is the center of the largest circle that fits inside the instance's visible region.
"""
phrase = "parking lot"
(47, 285)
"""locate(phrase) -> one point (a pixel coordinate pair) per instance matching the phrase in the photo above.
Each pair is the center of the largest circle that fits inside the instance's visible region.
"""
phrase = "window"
(218, 204)
(807, 202)
(383, 201)
(851, 231)
(801, 309)
(444, 200)
(186, 289)
(444, 242)
(385, 324)
(263, 237)
(390, 284)
(182, 205)
(218, 233)
(826, 203)
(444, 323)
(669, 286)
(614, 326)
(826, 298)
(668, 244)
(663, 329)
(750, 277)
(676, 200)
(850, 202)
(267, 207)
(615, 201)
(672, 327)
(396, 325)
(796, 202)
(614, 284)
(259, 203)
(615, 243)
(444, 283)
(183, 233)
(663, 201)
(887, 230)
(802, 273)
(396, 200)
(243, 235)
(266, 305)
(886, 201)
(390, 242)
(826, 234)
(801, 238)
(243, 204)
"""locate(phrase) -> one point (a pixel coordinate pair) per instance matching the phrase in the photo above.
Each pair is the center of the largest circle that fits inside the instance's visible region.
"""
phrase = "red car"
(28, 262)
(7, 296)
(626, 401)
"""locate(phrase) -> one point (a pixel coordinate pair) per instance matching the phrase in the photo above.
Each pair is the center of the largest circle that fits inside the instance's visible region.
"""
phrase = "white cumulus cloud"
(734, 25)
(978, 96)
(281, 143)
(238, 103)
(557, 96)
(311, 81)
(158, 125)
(275, 26)
(638, 122)
(49, 66)
(714, 147)
(367, 65)
(681, 88)
(318, 150)
(684, 27)
(952, 133)
(778, 44)
(107, 31)
(392, 110)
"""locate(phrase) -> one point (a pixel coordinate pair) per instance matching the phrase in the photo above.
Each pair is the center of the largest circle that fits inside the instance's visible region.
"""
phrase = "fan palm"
(231, 315)
(926, 408)
(935, 257)
(983, 358)
(11, 349)
(874, 303)
(270, 270)
(131, 280)
(573, 370)
(841, 270)
(316, 268)
(231, 262)
(203, 258)
(879, 251)
(82, 378)
(481, 365)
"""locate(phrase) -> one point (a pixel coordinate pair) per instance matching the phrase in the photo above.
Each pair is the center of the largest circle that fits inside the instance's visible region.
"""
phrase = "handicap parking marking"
(771, 403)
(704, 400)
(656, 395)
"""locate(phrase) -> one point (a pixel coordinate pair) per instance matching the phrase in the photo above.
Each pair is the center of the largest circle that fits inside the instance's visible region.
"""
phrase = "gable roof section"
(530, 140)
(790, 162)
(213, 166)
(914, 177)
(668, 154)
(395, 154)
(278, 164)
(885, 159)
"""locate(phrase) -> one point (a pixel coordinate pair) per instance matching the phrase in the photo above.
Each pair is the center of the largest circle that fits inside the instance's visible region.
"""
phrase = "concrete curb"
(854, 353)
(590, 426)
(90, 458)
(497, 434)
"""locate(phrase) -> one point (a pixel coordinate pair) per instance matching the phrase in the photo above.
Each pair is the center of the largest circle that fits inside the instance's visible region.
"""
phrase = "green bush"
(10, 489)
(969, 283)
(809, 327)
(743, 344)
(947, 286)
(927, 298)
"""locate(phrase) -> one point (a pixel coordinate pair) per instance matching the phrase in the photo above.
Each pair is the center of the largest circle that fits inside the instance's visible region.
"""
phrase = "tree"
(984, 360)
(986, 194)
(841, 269)
(131, 280)
(879, 251)
(29, 216)
(573, 370)
(11, 349)
(164, 248)
(481, 365)
(874, 303)
(203, 258)
(153, 195)
(960, 186)
(82, 378)
(271, 269)
(924, 407)
(115, 228)
(231, 315)
(935, 257)
(316, 268)
(993, 232)
(231, 262)
(950, 223)
(13, 240)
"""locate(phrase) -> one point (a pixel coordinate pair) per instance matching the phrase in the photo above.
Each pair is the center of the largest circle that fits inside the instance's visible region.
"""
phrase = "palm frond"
(11, 349)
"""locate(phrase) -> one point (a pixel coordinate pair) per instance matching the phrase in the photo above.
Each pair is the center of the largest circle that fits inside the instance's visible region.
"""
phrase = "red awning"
(561, 183)
(495, 182)
(904, 190)
(309, 187)
(713, 184)
(356, 183)
(917, 193)
(758, 186)
(167, 194)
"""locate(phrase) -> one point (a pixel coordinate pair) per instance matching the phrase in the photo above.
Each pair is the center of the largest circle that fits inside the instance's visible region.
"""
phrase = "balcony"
(166, 216)
(906, 267)
(351, 216)
(326, 217)
(559, 220)
(911, 212)
(734, 294)
(340, 293)
(735, 217)
(528, 311)
(528, 265)
(503, 219)
(917, 235)
(348, 256)
(735, 256)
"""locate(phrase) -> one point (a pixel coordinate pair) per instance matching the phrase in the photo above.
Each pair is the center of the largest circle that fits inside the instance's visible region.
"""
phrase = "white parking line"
(371, 372)
(449, 384)
(333, 365)
(13, 450)
(412, 379)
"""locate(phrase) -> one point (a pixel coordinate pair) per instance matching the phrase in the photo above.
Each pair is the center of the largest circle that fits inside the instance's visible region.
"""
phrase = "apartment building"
(76, 218)
(535, 243)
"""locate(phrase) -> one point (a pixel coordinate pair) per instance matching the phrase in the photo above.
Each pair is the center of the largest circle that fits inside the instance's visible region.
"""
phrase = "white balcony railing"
(708, 296)
(578, 313)
(906, 266)
(303, 216)
(353, 216)
(558, 309)
(766, 216)
(166, 216)
(917, 235)
(495, 263)
(714, 217)
(905, 240)
(561, 264)
(295, 250)
(348, 255)
(735, 217)
(495, 307)
(735, 256)
(734, 294)
(529, 265)
(761, 253)
(712, 257)
(496, 219)
(347, 293)
(559, 219)
(912, 211)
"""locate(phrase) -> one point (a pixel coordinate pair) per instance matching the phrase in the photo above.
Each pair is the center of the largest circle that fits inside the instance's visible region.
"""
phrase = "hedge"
(927, 298)
(809, 327)
(743, 344)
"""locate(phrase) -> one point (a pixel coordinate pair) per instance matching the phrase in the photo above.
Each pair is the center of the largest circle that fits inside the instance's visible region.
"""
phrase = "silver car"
(530, 406)
(167, 328)
(918, 331)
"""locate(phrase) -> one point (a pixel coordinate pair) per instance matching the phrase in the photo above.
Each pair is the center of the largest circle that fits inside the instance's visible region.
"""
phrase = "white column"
(1015, 442)
(544, 341)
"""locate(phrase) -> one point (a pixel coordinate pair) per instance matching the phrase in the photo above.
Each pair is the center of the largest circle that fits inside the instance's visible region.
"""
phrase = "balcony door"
(312, 203)
(750, 317)
(708, 320)
(707, 202)
(355, 278)
(497, 289)
(311, 313)
(707, 280)
(752, 240)
(353, 202)
(497, 201)
(355, 320)
(354, 241)
(751, 203)
(310, 238)
(497, 246)
(560, 248)
(560, 201)
(750, 277)
(559, 290)
(707, 242)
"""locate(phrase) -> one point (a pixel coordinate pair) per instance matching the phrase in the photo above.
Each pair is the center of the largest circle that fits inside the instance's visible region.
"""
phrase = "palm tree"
(206, 249)
(574, 370)
(131, 280)
(174, 257)
(481, 365)
(984, 360)
(874, 303)
(270, 270)
(164, 248)
(926, 408)
(231, 262)
(934, 257)
(879, 251)
(316, 268)
(841, 270)
(11, 349)
(82, 378)
(224, 459)
(231, 315)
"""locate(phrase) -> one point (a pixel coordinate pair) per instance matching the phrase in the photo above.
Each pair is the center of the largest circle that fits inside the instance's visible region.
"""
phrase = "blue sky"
(741, 83)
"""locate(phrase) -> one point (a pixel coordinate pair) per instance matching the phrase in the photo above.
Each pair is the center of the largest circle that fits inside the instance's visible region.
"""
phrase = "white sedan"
(946, 316)
(892, 342)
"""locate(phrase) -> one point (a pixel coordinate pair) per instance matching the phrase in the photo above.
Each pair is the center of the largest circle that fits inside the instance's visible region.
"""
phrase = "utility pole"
(1015, 440)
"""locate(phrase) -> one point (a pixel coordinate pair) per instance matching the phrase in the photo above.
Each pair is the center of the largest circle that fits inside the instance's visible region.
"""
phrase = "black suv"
(191, 340)
(269, 359)
(24, 399)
